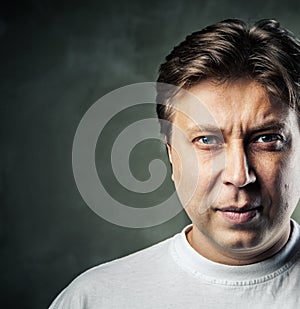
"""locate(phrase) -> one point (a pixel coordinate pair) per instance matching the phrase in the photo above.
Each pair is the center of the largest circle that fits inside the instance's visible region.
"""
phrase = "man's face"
(238, 178)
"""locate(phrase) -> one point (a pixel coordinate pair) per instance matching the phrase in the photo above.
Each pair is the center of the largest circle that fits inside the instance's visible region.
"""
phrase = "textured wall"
(57, 58)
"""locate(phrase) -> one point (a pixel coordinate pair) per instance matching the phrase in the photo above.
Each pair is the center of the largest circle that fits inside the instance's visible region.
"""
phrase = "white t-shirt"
(171, 274)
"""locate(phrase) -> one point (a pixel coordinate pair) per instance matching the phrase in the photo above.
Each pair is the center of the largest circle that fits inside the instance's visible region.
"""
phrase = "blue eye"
(268, 138)
(208, 140)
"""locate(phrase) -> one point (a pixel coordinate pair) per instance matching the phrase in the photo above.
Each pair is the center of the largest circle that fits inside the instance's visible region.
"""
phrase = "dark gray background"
(57, 58)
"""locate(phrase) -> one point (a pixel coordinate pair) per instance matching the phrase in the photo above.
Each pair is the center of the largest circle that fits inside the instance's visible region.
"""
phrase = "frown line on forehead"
(275, 125)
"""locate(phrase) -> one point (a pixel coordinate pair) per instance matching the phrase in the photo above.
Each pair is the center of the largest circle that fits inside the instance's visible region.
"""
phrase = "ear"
(169, 151)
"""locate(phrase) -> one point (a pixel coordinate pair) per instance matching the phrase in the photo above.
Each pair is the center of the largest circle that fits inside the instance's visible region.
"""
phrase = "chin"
(239, 240)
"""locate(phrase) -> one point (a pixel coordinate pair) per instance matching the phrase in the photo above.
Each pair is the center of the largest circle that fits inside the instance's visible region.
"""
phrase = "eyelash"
(218, 144)
(277, 136)
(210, 146)
(207, 136)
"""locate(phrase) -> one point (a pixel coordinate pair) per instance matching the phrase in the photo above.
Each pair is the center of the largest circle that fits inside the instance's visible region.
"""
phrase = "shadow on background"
(57, 58)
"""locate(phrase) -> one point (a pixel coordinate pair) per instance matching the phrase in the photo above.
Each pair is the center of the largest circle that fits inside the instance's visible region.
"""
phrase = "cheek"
(269, 170)
(289, 185)
(278, 178)
(192, 179)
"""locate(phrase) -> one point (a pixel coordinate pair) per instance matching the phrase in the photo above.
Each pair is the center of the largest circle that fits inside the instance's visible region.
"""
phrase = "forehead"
(232, 106)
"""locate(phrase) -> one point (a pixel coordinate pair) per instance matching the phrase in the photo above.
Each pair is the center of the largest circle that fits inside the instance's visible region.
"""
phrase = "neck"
(235, 257)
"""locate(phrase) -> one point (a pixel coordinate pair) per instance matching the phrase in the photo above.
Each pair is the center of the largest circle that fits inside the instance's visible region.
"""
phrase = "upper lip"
(244, 208)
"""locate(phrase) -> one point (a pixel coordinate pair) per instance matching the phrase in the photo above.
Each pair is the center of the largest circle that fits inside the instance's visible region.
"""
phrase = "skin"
(236, 152)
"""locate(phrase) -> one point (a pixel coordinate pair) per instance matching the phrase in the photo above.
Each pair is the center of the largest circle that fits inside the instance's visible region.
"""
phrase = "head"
(245, 187)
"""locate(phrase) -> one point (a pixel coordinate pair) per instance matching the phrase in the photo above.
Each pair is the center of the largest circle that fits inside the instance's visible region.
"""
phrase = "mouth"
(239, 215)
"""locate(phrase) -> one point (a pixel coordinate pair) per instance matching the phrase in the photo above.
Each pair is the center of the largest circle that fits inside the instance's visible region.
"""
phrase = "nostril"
(239, 178)
(237, 171)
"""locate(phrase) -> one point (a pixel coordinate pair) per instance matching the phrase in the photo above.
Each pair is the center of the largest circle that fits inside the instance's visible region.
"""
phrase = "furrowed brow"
(203, 128)
(272, 125)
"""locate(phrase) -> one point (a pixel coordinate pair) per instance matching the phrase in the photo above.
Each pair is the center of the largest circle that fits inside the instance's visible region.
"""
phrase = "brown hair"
(229, 50)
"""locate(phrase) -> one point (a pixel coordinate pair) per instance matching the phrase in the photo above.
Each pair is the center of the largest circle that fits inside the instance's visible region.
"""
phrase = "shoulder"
(105, 280)
(137, 262)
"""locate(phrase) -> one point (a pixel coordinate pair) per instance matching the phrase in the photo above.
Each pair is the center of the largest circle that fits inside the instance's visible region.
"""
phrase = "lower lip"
(239, 217)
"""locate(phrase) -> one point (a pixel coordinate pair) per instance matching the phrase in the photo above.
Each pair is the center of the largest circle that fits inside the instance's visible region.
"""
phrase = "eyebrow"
(203, 127)
(270, 125)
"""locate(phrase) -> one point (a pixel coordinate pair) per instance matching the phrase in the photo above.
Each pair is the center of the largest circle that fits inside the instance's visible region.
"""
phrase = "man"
(233, 139)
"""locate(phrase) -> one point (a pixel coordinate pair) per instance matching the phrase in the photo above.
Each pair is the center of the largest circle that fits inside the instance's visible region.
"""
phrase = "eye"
(208, 140)
(268, 138)
(269, 142)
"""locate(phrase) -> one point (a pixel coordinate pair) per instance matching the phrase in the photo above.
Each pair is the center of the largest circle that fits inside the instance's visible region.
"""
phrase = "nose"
(237, 171)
